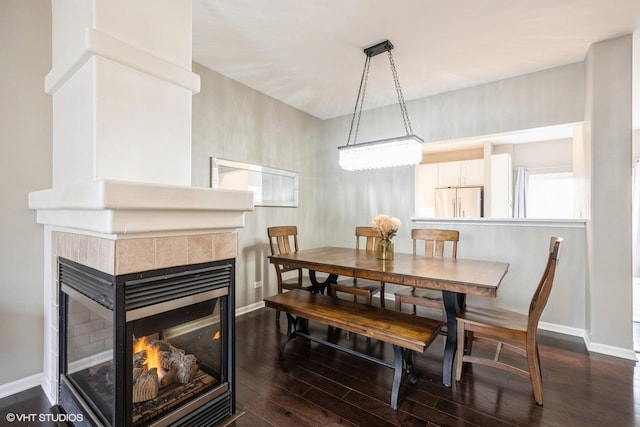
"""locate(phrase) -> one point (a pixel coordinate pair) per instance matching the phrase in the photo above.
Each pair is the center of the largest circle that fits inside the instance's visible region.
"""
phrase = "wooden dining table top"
(467, 276)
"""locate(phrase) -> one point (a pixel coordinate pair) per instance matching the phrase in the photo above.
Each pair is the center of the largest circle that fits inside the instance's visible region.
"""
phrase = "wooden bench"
(407, 333)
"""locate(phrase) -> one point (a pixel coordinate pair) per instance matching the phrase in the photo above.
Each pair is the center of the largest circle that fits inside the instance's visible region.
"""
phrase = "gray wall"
(25, 165)
(544, 98)
(234, 122)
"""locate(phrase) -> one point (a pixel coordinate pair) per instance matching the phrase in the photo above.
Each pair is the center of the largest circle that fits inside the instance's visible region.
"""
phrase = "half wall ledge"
(120, 207)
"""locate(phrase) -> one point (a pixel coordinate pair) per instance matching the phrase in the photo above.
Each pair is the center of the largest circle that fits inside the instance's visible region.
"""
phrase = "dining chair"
(435, 244)
(362, 287)
(509, 330)
(283, 240)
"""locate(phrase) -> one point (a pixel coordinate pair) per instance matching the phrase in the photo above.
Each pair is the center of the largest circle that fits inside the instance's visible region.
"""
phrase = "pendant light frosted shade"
(401, 151)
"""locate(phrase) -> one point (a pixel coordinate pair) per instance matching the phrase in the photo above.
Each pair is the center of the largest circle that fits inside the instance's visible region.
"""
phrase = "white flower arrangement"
(388, 226)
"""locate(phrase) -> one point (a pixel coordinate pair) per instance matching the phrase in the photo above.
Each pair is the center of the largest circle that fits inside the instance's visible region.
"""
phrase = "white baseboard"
(249, 308)
(623, 353)
(49, 391)
(565, 330)
(592, 347)
(20, 385)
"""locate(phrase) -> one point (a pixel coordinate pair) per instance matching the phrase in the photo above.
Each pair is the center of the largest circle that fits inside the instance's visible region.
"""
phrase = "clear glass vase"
(384, 249)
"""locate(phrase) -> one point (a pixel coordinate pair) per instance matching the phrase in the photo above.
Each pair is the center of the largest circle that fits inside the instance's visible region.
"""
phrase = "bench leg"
(397, 374)
(402, 362)
(408, 366)
(294, 324)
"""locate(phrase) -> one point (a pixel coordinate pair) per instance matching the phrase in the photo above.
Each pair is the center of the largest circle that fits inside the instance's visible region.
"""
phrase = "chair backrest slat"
(371, 236)
(281, 239)
(435, 241)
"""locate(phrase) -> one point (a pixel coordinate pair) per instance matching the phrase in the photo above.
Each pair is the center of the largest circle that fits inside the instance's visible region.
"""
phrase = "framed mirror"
(270, 186)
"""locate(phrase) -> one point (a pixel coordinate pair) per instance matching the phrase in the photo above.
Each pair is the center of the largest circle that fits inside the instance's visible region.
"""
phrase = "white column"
(607, 139)
(122, 85)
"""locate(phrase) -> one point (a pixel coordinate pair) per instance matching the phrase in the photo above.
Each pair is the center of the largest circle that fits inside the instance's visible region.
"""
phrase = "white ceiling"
(308, 53)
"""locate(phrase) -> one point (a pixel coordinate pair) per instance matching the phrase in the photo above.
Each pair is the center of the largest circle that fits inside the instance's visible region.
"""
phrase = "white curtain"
(635, 220)
(520, 193)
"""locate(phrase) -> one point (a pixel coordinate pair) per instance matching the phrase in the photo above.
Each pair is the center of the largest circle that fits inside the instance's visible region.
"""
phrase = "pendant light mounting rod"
(385, 46)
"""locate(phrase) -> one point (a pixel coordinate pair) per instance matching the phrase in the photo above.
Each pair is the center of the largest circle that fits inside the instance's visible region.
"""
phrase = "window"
(550, 196)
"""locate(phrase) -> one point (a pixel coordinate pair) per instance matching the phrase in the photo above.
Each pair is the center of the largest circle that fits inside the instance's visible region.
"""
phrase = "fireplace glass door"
(89, 361)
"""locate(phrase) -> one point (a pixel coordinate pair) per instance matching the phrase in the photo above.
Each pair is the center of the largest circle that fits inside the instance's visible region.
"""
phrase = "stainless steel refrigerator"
(459, 202)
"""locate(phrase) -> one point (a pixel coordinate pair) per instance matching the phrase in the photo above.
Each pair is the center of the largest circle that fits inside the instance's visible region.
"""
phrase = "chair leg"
(533, 359)
(398, 303)
(382, 294)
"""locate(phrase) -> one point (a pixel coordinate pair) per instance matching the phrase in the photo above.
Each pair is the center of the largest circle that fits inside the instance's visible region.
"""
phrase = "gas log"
(145, 385)
(160, 364)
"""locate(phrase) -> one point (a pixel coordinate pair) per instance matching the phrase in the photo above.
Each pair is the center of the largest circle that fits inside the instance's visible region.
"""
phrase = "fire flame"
(153, 356)
(140, 345)
(216, 336)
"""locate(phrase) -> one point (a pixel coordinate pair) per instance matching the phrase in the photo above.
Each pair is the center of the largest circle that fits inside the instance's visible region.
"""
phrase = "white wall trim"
(107, 46)
(249, 308)
(623, 353)
(561, 329)
(22, 384)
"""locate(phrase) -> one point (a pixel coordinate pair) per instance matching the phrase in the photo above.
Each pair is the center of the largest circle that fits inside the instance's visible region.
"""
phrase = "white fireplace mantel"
(119, 207)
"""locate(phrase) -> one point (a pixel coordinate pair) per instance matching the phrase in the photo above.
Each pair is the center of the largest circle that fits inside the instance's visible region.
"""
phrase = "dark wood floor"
(318, 386)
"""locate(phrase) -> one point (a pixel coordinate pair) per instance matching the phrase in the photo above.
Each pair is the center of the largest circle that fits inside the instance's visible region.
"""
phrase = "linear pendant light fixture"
(399, 151)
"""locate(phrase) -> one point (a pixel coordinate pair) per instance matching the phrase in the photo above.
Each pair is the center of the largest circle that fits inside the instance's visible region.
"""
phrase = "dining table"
(455, 277)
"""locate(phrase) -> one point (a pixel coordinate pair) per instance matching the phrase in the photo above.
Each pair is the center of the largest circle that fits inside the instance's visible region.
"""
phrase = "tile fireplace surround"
(124, 256)
(131, 255)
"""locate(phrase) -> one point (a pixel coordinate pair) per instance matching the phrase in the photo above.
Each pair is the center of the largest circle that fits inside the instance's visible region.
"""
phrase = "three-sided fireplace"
(151, 348)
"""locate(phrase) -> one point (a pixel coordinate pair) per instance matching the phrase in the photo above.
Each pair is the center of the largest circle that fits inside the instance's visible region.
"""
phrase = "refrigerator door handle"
(460, 211)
